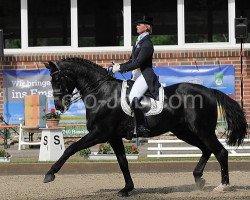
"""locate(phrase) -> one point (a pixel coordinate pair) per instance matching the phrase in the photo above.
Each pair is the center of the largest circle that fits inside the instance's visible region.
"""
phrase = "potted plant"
(105, 152)
(104, 149)
(132, 152)
(131, 149)
(4, 156)
(85, 153)
(52, 118)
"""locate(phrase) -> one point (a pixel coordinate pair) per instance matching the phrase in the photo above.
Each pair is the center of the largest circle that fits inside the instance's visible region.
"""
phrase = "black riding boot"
(142, 129)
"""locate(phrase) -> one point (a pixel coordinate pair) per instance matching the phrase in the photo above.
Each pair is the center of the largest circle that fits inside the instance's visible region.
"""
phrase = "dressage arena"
(105, 186)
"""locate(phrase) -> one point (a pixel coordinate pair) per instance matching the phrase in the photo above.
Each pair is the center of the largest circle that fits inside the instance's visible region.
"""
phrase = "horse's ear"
(47, 65)
(52, 65)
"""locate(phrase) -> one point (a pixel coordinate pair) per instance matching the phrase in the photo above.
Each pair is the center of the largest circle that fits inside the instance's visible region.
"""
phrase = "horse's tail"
(235, 118)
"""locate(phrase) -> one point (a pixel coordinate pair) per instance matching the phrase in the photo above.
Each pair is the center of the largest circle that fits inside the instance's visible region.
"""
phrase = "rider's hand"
(116, 68)
(109, 69)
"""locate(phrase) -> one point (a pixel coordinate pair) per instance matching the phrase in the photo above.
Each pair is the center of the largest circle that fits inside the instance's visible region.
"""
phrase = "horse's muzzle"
(59, 106)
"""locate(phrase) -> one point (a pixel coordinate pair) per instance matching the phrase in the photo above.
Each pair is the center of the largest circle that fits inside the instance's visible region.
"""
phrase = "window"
(49, 22)
(164, 14)
(100, 23)
(10, 22)
(243, 9)
(206, 21)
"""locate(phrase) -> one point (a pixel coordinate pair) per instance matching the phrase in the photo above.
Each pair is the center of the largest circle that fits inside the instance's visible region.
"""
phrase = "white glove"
(116, 68)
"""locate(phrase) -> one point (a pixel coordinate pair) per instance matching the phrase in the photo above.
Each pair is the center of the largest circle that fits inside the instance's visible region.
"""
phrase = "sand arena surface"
(105, 186)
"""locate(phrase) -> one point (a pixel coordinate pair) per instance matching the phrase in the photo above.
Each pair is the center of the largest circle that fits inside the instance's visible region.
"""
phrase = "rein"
(103, 79)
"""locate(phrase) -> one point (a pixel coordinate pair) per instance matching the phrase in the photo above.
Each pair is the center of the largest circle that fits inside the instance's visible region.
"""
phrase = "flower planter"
(52, 123)
(96, 156)
(4, 159)
(132, 156)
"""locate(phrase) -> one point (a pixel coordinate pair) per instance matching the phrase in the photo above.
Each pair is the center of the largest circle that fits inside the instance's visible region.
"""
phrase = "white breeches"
(139, 88)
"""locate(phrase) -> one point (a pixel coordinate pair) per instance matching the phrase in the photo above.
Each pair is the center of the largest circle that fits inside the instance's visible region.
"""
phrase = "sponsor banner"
(218, 77)
(19, 83)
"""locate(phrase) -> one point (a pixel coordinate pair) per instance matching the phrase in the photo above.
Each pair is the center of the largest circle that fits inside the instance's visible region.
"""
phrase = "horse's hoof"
(49, 178)
(123, 193)
(222, 188)
(200, 183)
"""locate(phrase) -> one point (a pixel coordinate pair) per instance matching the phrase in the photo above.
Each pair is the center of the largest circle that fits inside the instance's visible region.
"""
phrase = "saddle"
(150, 106)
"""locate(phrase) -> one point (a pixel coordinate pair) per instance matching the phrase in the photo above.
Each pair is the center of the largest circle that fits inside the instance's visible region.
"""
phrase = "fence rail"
(180, 149)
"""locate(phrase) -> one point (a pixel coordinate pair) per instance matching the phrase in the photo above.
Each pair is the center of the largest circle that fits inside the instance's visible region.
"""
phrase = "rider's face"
(141, 28)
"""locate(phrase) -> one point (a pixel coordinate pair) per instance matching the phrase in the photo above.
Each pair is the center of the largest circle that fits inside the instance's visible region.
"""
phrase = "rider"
(143, 75)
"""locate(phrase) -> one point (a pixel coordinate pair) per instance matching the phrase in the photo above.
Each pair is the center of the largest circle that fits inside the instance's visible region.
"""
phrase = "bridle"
(68, 97)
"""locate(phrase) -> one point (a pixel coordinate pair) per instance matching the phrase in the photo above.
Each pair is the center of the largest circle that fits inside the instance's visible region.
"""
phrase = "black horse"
(191, 120)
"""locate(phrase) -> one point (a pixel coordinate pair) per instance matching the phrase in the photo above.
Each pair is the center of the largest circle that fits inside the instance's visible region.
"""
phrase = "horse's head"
(63, 85)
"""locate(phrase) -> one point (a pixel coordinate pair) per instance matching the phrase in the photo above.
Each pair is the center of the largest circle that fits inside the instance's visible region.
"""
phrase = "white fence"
(178, 149)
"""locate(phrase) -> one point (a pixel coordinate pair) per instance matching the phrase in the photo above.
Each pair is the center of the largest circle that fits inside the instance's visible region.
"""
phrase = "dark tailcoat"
(141, 57)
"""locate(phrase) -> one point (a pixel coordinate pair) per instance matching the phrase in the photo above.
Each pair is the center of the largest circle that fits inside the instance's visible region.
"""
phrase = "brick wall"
(166, 58)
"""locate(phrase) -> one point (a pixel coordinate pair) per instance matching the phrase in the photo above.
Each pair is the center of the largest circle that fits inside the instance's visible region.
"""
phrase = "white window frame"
(127, 33)
(231, 25)
(74, 24)
(127, 23)
(180, 22)
(24, 25)
(208, 45)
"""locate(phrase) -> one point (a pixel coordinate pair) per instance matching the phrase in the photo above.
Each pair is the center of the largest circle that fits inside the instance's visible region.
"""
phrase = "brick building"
(185, 32)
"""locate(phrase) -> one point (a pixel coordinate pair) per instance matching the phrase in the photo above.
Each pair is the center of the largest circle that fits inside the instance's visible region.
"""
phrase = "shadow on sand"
(162, 193)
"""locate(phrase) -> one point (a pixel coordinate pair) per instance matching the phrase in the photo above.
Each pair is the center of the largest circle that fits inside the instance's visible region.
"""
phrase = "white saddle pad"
(156, 106)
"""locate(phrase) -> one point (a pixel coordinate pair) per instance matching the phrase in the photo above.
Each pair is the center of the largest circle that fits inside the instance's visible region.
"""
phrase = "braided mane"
(89, 63)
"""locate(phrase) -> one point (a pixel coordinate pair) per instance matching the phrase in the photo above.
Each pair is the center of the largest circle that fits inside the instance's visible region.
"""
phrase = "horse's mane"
(89, 63)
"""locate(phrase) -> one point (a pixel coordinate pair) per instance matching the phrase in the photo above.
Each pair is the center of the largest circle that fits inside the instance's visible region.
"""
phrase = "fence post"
(159, 147)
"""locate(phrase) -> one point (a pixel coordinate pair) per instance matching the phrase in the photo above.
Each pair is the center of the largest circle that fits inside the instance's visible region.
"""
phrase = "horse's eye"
(56, 78)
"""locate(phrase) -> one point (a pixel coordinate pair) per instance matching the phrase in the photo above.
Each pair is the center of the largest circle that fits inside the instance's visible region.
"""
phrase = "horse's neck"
(88, 80)
(100, 88)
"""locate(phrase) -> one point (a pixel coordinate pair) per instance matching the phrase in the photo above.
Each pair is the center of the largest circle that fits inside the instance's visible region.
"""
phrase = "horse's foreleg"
(118, 148)
(85, 142)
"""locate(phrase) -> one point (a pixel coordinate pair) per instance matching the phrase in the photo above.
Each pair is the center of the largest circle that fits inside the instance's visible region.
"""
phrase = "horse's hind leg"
(194, 140)
(206, 153)
(118, 148)
(85, 142)
(221, 155)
